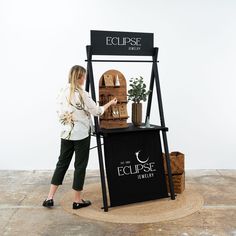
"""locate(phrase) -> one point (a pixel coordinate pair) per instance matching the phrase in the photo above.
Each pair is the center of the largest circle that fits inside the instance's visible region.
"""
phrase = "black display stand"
(126, 43)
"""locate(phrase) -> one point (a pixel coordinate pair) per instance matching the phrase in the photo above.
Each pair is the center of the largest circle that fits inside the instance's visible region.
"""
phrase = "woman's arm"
(92, 106)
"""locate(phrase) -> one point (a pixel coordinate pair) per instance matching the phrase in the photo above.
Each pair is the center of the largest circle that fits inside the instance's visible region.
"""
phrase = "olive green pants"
(68, 147)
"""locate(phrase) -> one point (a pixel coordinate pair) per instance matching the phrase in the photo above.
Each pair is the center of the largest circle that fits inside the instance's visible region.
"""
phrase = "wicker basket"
(178, 181)
(177, 170)
(176, 162)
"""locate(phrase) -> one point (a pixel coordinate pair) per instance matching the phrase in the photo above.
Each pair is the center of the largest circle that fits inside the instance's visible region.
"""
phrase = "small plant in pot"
(136, 94)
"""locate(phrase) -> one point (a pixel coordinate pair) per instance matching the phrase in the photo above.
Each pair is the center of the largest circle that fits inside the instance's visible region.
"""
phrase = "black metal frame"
(154, 78)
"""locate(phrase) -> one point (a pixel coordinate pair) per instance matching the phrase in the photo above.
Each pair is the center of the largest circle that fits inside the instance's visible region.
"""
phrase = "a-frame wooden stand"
(154, 78)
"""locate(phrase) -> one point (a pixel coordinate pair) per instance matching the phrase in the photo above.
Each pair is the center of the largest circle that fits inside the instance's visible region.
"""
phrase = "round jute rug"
(153, 211)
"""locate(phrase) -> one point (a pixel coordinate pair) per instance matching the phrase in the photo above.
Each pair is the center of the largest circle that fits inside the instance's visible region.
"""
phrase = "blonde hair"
(76, 72)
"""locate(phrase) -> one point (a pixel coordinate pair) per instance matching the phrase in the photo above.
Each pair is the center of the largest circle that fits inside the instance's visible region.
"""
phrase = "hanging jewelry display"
(113, 84)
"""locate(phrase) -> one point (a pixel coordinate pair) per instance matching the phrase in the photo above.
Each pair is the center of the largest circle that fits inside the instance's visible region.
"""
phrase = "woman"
(75, 109)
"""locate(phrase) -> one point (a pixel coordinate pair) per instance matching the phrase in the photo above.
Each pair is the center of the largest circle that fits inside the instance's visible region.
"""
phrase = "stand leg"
(167, 159)
(102, 173)
(90, 81)
(150, 95)
(164, 136)
(87, 83)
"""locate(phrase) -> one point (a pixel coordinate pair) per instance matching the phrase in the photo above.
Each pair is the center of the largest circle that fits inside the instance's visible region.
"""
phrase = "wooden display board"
(113, 84)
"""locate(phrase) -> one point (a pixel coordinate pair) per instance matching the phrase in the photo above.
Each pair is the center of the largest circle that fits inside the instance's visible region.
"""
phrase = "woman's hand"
(113, 101)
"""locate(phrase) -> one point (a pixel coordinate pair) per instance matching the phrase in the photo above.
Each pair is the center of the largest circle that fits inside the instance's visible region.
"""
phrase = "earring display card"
(108, 80)
(123, 111)
(115, 112)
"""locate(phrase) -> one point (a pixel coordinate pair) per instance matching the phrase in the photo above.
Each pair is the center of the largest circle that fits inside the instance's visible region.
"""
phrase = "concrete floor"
(21, 213)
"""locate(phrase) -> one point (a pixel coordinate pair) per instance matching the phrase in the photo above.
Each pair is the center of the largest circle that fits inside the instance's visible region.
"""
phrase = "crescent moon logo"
(137, 154)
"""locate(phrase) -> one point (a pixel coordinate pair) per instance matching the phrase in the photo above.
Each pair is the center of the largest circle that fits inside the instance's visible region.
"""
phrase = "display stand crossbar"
(122, 61)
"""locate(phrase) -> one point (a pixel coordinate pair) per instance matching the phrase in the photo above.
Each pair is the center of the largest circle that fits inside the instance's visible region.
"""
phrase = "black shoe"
(78, 205)
(48, 203)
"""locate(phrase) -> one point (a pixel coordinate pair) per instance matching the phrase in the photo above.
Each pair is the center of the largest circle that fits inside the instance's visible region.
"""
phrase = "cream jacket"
(75, 117)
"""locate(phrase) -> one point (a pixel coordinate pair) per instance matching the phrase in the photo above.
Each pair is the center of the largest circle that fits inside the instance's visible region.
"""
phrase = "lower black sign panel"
(134, 167)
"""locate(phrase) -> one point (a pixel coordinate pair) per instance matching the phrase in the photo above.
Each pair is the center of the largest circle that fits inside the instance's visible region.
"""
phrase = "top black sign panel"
(121, 43)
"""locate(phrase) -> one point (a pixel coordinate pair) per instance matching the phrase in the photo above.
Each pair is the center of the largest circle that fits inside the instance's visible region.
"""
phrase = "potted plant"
(136, 94)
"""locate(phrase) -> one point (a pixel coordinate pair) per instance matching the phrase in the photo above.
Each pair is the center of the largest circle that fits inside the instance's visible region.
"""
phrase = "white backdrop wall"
(41, 40)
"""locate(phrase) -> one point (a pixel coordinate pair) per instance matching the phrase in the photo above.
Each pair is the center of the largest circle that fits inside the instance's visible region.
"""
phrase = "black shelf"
(131, 128)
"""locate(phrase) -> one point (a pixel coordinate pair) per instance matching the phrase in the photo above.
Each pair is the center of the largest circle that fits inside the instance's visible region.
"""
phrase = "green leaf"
(138, 91)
